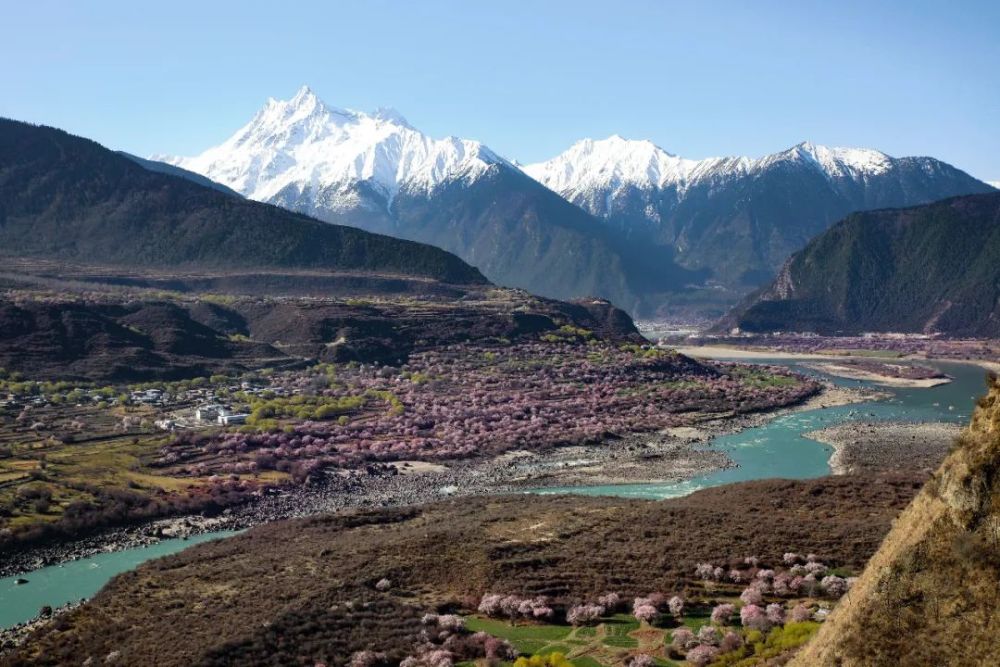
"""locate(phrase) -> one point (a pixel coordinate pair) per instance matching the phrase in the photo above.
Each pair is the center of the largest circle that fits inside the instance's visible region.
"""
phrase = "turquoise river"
(776, 449)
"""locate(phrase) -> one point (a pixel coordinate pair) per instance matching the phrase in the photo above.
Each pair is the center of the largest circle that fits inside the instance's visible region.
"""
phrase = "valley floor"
(668, 450)
(671, 455)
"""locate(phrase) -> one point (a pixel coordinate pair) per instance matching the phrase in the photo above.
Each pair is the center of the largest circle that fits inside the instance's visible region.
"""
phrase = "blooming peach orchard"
(779, 609)
(472, 400)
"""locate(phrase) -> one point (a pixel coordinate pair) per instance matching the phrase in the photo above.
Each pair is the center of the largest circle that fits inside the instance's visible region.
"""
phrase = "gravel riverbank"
(886, 375)
(864, 447)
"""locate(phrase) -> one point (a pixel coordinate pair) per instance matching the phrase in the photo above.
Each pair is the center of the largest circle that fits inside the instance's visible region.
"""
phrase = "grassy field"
(695, 619)
(40, 481)
(617, 638)
(609, 643)
(47, 480)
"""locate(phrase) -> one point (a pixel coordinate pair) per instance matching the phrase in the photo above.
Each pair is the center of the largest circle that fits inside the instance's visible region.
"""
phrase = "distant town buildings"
(218, 414)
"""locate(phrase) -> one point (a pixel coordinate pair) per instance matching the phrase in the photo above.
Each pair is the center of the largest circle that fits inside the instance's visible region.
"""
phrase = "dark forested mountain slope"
(519, 232)
(933, 268)
(65, 197)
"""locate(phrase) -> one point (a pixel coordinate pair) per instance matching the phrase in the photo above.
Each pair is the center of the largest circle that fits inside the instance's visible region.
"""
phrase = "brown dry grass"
(299, 591)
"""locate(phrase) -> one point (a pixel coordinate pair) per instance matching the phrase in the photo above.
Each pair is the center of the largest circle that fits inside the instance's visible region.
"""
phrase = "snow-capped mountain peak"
(836, 162)
(390, 115)
(611, 163)
(614, 163)
(738, 218)
(303, 145)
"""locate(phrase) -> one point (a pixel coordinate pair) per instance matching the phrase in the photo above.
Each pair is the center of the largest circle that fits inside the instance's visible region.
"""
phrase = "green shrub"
(759, 648)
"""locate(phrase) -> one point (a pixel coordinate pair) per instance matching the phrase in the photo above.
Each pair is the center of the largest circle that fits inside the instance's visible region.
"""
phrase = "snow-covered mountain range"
(609, 165)
(304, 148)
(376, 171)
(739, 217)
(616, 218)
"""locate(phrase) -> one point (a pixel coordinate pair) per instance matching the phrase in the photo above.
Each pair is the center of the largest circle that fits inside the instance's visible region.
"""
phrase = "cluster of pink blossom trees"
(800, 613)
(715, 639)
(585, 614)
(466, 400)
(676, 606)
(650, 607)
(705, 646)
(761, 616)
(646, 610)
(722, 613)
(754, 617)
(444, 641)
(589, 613)
(759, 610)
(702, 655)
(447, 622)
(796, 576)
(802, 576)
(611, 602)
(514, 607)
(683, 639)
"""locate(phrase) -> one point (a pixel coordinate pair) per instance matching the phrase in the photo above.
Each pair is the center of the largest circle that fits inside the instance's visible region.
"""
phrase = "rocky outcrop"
(929, 595)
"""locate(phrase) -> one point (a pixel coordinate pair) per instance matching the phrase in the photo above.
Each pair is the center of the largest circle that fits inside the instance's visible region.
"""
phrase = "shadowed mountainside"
(109, 337)
(523, 235)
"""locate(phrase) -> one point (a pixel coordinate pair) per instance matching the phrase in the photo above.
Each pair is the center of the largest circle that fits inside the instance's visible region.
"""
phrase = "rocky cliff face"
(929, 595)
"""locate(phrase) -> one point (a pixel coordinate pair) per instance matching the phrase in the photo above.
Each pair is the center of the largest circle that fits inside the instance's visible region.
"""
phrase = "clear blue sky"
(527, 78)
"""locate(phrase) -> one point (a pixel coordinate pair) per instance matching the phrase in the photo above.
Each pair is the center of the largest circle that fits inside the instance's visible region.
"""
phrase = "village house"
(210, 413)
(231, 420)
(165, 424)
(147, 396)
